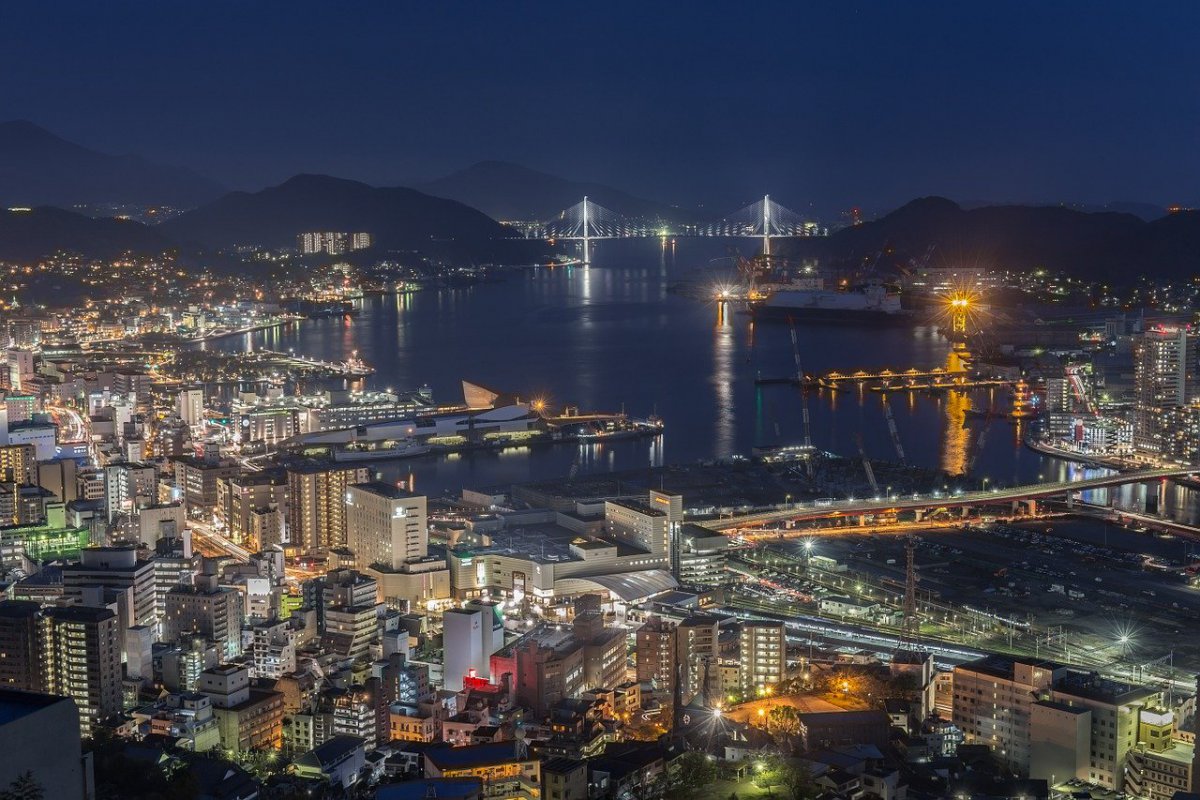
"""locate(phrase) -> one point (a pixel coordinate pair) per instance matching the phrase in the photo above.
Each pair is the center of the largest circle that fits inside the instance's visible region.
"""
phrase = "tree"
(783, 719)
(692, 771)
(24, 788)
(792, 777)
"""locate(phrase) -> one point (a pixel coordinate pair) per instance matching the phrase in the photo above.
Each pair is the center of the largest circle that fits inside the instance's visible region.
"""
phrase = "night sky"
(824, 103)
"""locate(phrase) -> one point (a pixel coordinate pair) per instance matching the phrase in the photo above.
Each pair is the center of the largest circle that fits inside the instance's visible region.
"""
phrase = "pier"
(912, 379)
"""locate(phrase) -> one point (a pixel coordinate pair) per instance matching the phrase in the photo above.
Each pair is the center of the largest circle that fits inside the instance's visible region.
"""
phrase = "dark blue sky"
(830, 103)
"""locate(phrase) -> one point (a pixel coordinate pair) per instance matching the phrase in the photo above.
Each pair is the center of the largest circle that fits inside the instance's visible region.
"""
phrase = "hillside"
(28, 235)
(398, 219)
(512, 192)
(38, 168)
(1101, 245)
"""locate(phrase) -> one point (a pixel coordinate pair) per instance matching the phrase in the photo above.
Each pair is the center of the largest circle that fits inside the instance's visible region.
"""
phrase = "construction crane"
(867, 465)
(891, 421)
(803, 400)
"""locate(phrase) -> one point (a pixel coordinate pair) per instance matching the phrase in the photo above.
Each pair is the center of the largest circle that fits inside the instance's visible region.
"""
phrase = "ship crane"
(803, 401)
(895, 433)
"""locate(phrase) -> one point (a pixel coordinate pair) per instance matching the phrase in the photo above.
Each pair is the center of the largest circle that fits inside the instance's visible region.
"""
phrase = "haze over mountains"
(455, 216)
(512, 192)
(38, 168)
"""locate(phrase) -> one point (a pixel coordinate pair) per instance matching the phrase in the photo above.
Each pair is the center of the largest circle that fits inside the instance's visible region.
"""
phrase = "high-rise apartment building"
(317, 504)
(73, 651)
(252, 507)
(762, 652)
(332, 242)
(1164, 377)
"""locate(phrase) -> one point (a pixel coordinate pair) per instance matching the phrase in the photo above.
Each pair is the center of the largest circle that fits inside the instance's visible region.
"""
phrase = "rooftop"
(15, 704)
(477, 755)
(390, 491)
(1091, 686)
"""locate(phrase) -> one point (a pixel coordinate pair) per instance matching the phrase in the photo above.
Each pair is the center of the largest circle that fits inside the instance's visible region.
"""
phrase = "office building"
(993, 704)
(1115, 714)
(127, 487)
(117, 568)
(248, 718)
(207, 609)
(470, 636)
(385, 525)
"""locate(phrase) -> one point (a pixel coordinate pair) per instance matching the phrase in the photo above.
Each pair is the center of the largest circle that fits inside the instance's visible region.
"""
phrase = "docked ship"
(869, 303)
(379, 449)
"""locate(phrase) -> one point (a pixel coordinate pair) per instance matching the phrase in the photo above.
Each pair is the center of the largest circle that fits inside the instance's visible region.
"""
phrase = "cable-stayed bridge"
(587, 221)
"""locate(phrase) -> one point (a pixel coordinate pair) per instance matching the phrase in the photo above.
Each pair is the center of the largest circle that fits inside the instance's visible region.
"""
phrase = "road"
(210, 543)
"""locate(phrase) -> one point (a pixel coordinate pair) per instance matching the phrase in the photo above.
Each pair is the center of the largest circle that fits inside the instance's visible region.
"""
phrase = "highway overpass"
(799, 512)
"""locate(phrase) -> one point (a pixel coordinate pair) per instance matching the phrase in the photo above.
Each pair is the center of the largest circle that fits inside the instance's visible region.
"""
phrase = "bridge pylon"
(587, 238)
(766, 222)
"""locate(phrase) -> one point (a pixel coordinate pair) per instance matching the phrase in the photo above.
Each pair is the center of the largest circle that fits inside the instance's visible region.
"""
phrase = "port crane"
(867, 465)
(895, 433)
(803, 400)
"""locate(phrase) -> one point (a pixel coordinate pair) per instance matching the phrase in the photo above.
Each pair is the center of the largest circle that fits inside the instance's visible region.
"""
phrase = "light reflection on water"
(616, 335)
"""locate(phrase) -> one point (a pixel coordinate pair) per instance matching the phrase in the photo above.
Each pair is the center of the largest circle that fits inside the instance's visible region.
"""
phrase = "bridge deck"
(869, 506)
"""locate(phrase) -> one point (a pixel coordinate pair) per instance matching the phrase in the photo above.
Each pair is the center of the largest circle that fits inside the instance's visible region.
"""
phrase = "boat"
(872, 303)
(379, 450)
(619, 428)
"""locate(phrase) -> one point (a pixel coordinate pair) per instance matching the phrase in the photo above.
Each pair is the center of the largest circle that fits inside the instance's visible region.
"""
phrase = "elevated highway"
(797, 512)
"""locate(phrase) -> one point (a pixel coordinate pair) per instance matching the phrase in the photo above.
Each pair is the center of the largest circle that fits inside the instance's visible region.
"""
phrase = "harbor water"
(615, 335)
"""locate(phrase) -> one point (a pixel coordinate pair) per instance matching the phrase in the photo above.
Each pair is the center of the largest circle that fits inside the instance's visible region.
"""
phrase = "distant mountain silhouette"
(1101, 245)
(28, 235)
(39, 168)
(398, 219)
(513, 192)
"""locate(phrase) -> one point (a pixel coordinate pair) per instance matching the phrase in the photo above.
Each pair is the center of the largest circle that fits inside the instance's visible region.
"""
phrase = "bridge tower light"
(587, 249)
(766, 224)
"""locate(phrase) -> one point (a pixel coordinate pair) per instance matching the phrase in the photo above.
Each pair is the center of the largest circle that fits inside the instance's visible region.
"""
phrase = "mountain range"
(1092, 245)
(38, 168)
(455, 217)
(398, 218)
